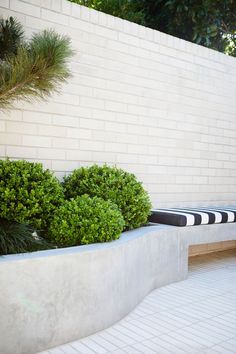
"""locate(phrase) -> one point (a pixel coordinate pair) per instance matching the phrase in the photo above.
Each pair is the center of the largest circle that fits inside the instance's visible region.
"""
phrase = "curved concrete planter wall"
(51, 297)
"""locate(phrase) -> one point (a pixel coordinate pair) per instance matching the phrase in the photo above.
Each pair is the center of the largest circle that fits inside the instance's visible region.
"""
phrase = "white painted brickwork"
(153, 104)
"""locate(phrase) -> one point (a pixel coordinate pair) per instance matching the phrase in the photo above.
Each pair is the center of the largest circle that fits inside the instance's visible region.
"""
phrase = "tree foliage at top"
(211, 23)
(33, 69)
(126, 9)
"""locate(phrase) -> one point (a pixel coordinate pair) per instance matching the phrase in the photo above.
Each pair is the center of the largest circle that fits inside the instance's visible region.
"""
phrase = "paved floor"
(197, 315)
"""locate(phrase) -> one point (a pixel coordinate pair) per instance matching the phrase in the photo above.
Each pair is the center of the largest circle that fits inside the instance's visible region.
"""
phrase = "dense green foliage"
(126, 9)
(211, 23)
(111, 183)
(19, 238)
(28, 194)
(11, 37)
(103, 201)
(85, 220)
(34, 69)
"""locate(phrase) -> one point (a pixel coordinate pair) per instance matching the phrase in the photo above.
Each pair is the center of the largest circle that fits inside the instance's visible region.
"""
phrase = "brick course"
(160, 107)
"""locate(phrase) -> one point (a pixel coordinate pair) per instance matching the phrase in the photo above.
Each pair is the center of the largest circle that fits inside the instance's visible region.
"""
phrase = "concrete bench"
(198, 216)
(52, 297)
(201, 238)
(194, 216)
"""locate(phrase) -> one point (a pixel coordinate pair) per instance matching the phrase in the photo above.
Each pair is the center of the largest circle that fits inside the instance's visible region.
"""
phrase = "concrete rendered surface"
(194, 316)
(52, 297)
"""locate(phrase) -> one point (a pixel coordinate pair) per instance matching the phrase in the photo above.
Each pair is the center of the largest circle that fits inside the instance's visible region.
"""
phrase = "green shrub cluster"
(112, 183)
(85, 220)
(28, 194)
(93, 204)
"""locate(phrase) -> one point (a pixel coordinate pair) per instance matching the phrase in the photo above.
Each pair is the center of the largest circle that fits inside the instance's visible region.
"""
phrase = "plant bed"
(52, 297)
(56, 296)
(94, 204)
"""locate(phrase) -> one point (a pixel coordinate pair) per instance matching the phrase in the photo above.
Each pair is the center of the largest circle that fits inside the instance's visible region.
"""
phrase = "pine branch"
(37, 70)
(11, 36)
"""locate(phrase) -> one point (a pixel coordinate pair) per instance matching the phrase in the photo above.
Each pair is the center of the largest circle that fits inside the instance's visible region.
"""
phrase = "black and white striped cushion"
(194, 216)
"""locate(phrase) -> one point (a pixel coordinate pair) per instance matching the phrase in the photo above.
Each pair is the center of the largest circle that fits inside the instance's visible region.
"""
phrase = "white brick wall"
(158, 106)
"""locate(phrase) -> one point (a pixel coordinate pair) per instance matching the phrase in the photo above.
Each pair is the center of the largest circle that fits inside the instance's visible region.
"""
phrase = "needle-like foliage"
(37, 69)
(11, 36)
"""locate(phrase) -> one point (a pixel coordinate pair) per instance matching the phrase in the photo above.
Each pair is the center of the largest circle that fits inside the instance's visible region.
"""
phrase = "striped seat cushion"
(193, 216)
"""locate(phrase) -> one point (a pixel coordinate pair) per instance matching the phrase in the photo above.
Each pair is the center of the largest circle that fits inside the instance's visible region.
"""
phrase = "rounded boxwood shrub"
(28, 193)
(85, 220)
(112, 183)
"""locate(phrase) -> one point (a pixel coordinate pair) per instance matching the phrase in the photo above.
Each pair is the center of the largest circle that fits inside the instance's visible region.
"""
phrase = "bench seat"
(194, 216)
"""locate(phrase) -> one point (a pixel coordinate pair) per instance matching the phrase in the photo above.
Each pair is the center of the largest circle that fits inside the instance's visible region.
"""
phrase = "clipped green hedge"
(85, 220)
(28, 193)
(111, 183)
